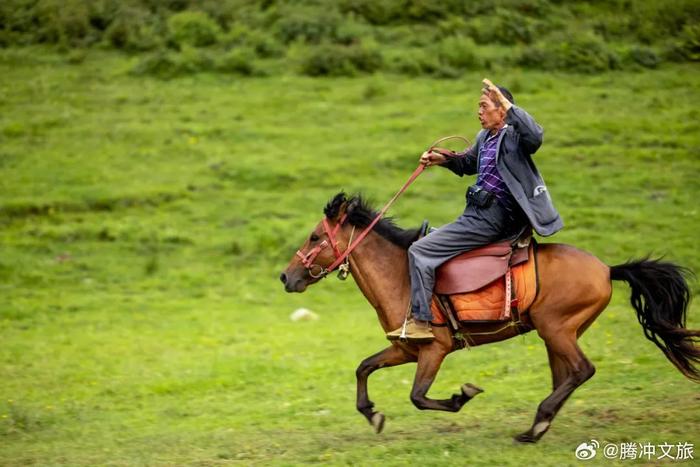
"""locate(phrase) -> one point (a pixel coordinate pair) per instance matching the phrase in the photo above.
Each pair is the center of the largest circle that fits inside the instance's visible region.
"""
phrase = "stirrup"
(402, 336)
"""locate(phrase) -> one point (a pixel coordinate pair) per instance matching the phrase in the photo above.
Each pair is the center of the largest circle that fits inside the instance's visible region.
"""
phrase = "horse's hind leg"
(429, 361)
(570, 369)
(391, 356)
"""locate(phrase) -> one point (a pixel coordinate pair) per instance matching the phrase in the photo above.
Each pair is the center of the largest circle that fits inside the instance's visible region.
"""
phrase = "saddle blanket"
(488, 302)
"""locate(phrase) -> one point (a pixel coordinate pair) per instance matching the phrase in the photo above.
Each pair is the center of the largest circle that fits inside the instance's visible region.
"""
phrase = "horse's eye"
(313, 237)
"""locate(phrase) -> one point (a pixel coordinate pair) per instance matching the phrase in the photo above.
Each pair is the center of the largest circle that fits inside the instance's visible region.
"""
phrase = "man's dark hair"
(507, 94)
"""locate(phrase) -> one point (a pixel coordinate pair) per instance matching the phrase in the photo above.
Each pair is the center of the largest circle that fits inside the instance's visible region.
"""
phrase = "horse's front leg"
(391, 356)
(429, 360)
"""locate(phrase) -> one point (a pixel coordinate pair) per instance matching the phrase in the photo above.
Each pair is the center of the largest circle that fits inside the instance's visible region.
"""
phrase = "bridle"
(307, 259)
(342, 259)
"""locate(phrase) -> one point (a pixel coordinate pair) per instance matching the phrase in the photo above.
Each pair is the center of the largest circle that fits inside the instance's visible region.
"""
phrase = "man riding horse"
(508, 197)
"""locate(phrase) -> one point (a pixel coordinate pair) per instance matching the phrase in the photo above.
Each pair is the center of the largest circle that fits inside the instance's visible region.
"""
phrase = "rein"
(308, 258)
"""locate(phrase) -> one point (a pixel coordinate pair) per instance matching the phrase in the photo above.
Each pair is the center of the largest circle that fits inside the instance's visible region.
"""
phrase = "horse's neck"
(380, 270)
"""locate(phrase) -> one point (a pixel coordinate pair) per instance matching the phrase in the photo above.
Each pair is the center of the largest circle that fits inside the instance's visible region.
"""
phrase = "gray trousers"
(474, 228)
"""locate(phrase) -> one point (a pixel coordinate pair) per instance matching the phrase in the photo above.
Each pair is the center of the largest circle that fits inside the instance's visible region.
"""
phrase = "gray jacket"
(521, 138)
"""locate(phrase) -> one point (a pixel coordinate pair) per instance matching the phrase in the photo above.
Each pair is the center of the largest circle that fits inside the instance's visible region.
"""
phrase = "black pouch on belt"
(479, 197)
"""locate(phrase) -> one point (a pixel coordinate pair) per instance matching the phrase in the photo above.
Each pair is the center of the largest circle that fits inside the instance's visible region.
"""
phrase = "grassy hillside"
(143, 225)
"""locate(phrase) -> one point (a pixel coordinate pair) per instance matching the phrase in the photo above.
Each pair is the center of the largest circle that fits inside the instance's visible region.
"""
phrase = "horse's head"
(319, 251)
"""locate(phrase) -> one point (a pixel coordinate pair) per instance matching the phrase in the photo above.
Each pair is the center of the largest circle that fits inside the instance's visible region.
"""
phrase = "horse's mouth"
(298, 287)
(292, 284)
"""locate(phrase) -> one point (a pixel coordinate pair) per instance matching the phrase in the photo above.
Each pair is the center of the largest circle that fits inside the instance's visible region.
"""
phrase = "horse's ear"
(351, 206)
(335, 207)
(341, 211)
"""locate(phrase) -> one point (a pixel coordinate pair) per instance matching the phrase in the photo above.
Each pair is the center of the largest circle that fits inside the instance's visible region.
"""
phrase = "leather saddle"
(477, 268)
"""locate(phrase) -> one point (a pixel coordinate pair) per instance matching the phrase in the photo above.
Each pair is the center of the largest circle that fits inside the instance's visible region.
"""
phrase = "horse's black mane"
(361, 214)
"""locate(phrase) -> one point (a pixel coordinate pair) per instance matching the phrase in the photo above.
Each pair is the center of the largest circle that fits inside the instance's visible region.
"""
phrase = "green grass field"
(144, 223)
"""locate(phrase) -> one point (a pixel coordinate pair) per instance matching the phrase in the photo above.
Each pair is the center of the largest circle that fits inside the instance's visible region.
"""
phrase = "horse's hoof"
(470, 390)
(378, 422)
(525, 438)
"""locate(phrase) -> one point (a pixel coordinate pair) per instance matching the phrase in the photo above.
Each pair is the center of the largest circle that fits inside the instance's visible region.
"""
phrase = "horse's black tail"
(660, 296)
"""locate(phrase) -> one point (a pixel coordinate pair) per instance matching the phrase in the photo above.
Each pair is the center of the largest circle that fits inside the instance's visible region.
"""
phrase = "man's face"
(490, 116)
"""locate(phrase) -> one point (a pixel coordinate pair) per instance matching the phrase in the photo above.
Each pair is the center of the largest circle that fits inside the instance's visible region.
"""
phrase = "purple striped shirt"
(489, 178)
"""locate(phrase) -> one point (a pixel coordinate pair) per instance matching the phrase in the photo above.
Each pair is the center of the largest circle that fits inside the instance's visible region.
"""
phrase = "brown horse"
(575, 287)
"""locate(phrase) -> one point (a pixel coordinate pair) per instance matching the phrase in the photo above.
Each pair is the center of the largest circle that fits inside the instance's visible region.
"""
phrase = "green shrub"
(194, 60)
(644, 56)
(458, 53)
(376, 12)
(63, 22)
(327, 60)
(410, 35)
(352, 32)
(339, 60)
(166, 64)
(193, 28)
(227, 13)
(386, 12)
(538, 57)
(309, 25)
(429, 10)
(583, 53)
(413, 62)
(263, 45)
(536, 8)
(688, 45)
(162, 64)
(237, 61)
(134, 29)
(453, 25)
(366, 57)
(503, 26)
(652, 21)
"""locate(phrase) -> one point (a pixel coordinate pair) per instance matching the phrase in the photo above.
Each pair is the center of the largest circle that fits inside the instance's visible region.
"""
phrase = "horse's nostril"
(283, 278)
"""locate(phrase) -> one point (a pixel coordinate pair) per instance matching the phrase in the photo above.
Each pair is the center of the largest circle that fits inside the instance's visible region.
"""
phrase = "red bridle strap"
(333, 233)
(307, 259)
(340, 258)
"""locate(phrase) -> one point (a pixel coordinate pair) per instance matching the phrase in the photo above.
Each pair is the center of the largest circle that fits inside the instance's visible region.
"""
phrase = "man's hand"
(429, 158)
(495, 94)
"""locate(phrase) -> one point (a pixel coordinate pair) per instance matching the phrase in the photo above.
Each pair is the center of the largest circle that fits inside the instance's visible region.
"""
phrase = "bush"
(193, 28)
(583, 53)
(688, 45)
(387, 12)
(413, 62)
(162, 64)
(65, 23)
(133, 30)
(166, 64)
(376, 12)
(351, 32)
(651, 21)
(503, 26)
(309, 25)
(194, 60)
(429, 10)
(339, 60)
(263, 45)
(538, 57)
(643, 56)
(457, 52)
(411, 35)
(237, 61)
